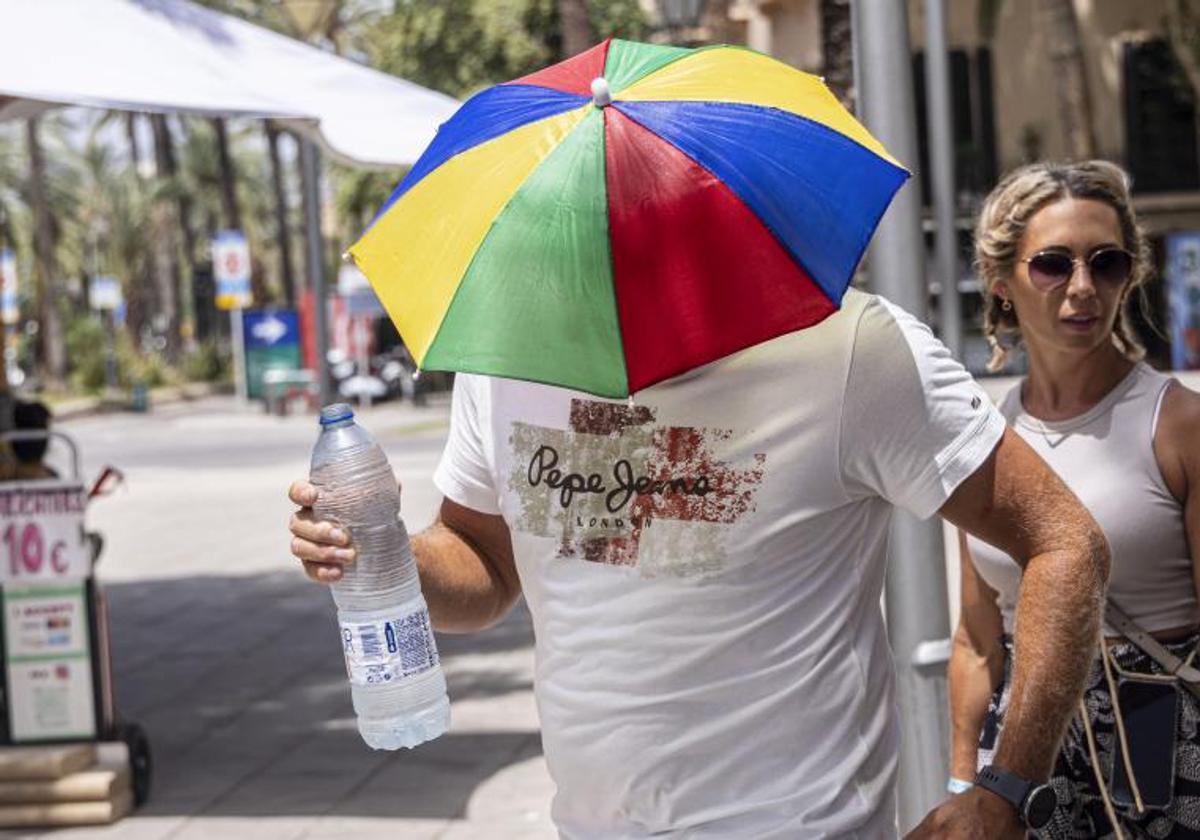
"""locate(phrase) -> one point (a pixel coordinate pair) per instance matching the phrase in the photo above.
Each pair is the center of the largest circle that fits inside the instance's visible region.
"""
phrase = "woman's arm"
(976, 665)
(1177, 449)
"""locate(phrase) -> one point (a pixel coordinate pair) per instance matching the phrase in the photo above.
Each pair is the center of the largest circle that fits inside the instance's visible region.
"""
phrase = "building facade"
(1026, 84)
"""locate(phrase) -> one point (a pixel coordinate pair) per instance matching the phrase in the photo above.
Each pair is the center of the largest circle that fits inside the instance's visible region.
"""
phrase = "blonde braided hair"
(1002, 221)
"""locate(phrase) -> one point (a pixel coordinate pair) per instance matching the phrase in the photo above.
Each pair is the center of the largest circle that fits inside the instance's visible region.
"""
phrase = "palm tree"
(165, 222)
(282, 231)
(108, 229)
(9, 178)
(837, 49)
(228, 176)
(575, 27)
(53, 359)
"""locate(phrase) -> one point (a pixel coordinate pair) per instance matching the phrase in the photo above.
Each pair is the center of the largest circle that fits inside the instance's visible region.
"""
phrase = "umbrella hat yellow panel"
(734, 74)
(421, 247)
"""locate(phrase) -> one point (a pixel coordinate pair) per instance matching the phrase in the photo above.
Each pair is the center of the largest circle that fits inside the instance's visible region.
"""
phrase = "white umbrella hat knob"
(601, 94)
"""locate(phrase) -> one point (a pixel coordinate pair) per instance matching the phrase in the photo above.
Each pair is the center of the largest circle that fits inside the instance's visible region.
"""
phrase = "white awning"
(173, 56)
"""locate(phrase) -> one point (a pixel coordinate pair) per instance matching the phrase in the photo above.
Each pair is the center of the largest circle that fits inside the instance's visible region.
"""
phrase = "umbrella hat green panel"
(537, 300)
(630, 61)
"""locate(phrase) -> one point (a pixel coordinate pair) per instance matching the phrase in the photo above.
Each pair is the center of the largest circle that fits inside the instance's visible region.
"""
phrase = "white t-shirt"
(704, 571)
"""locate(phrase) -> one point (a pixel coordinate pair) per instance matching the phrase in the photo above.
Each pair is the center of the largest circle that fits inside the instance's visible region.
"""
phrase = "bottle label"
(386, 650)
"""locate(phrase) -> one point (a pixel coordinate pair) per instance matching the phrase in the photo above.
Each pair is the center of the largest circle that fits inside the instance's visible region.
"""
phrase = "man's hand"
(974, 815)
(322, 547)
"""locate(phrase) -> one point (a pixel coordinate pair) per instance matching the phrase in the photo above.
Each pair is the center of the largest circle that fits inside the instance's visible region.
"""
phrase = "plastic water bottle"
(396, 683)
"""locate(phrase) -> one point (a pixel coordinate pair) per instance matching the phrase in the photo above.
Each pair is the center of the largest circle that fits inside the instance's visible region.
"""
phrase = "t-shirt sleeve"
(464, 474)
(914, 423)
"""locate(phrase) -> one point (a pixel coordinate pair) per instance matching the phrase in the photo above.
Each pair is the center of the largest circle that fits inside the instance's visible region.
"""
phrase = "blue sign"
(1183, 298)
(271, 338)
(267, 328)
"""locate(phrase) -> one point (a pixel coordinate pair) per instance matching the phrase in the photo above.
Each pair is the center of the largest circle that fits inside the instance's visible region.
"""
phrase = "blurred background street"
(229, 656)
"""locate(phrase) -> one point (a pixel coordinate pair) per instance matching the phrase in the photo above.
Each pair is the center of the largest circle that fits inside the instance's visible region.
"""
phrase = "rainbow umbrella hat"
(627, 215)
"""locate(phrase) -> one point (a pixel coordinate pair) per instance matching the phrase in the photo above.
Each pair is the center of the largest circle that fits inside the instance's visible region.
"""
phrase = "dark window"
(1160, 120)
(972, 119)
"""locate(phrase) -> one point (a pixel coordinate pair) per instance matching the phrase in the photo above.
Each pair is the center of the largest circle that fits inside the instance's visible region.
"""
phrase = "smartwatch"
(1033, 802)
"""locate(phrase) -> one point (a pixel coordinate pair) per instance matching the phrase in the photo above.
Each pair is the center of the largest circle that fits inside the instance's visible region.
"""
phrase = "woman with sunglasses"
(1060, 256)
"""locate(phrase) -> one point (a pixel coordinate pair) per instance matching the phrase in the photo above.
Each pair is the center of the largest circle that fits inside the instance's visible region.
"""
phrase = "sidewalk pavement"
(230, 659)
(75, 407)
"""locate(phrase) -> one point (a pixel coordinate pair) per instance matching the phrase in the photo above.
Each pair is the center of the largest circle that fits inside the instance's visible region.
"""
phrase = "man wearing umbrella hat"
(703, 563)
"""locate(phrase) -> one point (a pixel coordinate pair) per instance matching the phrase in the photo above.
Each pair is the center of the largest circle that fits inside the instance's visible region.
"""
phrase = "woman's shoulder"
(1176, 435)
(1180, 411)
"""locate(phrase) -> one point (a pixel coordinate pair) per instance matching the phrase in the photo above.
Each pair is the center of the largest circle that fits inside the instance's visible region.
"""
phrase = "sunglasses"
(1050, 269)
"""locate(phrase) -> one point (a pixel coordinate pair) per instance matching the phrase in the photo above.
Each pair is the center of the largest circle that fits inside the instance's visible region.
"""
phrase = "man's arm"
(465, 561)
(467, 569)
(1017, 503)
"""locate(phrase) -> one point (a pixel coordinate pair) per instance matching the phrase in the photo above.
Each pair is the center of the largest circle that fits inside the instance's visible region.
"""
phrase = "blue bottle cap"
(335, 413)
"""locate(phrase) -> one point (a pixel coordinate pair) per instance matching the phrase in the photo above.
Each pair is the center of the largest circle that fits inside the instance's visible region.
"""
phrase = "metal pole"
(361, 337)
(314, 248)
(238, 339)
(110, 351)
(916, 582)
(941, 172)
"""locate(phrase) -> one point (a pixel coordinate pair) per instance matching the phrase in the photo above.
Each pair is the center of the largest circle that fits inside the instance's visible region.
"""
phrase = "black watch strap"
(1008, 786)
(1033, 802)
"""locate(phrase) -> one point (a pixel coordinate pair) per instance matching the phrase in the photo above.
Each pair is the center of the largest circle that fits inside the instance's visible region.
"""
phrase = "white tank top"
(1106, 456)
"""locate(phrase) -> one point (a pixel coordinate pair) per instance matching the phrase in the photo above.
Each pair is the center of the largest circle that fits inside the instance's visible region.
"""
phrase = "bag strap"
(1153, 648)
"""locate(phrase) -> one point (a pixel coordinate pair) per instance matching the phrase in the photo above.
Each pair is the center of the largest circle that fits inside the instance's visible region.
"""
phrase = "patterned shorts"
(1080, 813)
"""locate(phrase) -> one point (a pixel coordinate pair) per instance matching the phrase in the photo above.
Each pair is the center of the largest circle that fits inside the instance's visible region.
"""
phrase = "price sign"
(41, 533)
(49, 676)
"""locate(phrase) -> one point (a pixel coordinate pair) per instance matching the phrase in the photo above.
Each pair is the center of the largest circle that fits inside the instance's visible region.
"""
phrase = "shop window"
(1160, 119)
(972, 120)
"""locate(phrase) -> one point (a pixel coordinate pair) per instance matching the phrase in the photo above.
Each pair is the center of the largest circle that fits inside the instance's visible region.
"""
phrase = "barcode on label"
(370, 641)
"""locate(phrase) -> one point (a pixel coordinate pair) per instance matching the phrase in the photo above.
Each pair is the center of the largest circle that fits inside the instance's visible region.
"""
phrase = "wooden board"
(47, 814)
(51, 762)
(93, 784)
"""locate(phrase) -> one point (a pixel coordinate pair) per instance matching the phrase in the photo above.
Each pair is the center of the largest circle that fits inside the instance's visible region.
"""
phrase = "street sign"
(41, 533)
(105, 293)
(272, 340)
(10, 311)
(231, 270)
(356, 289)
(1183, 296)
(47, 653)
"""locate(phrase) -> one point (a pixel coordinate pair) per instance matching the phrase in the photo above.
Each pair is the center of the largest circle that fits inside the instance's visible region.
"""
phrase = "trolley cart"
(54, 636)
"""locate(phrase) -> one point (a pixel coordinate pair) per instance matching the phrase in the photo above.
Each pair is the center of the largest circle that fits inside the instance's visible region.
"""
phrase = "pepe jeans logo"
(616, 488)
(543, 467)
